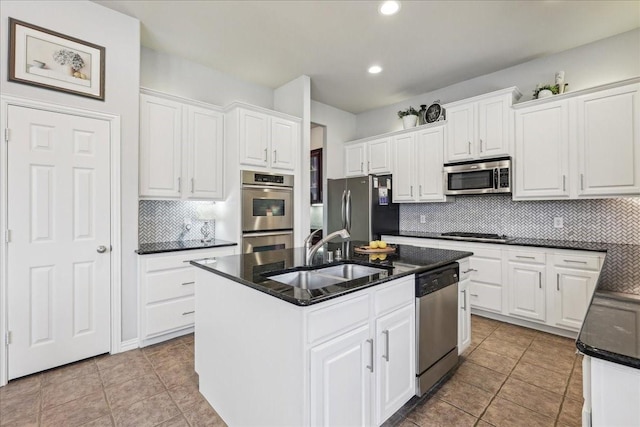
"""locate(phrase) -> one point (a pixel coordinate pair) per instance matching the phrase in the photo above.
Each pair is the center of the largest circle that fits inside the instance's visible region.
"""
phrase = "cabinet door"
(460, 133)
(285, 138)
(404, 168)
(429, 161)
(160, 145)
(526, 290)
(573, 290)
(542, 151)
(379, 156)
(205, 158)
(396, 378)
(341, 371)
(464, 316)
(493, 127)
(354, 160)
(254, 130)
(608, 138)
(485, 289)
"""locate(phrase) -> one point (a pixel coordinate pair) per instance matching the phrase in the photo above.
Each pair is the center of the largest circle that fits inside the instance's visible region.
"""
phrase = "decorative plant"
(68, 57)
(555, 89)
(408, 112)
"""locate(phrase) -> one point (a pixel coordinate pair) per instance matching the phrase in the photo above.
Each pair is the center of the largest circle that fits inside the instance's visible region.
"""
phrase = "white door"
(341, 371)
(58, 254)
(404, 168)
(285, 137)
(460, 133)
(253, 138)
(396, 379)
(429, 161)
(354, 158)
(527, 290)
(205, 158)
(573, 291)
(493, 127)
(379, 156)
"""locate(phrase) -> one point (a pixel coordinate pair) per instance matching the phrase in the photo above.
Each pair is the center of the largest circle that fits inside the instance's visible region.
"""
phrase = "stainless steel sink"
(327, 276)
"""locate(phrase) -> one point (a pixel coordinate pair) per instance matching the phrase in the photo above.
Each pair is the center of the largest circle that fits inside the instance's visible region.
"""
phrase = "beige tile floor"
(510, 376)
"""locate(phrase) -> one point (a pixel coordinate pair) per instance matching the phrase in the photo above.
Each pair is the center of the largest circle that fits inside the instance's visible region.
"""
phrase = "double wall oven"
(267, 211)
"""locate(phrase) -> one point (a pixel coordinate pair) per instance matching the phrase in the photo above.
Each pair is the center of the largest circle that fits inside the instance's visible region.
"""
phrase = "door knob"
(101, 249)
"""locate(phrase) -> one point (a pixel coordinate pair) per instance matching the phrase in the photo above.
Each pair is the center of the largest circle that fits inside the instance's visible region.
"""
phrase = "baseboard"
(525, 323)
(131, 344)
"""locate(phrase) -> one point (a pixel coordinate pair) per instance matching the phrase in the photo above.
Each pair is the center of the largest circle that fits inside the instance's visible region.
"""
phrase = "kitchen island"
(269, 353)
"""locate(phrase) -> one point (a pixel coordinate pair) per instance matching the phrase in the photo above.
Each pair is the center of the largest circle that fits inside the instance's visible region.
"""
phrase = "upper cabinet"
(479, 127)
(267, 140)
(181, 148)
(371, 157)
(579, 146)
(315, 176)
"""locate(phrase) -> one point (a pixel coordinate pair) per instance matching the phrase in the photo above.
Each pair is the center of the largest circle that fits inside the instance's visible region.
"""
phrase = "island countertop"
(253, 269)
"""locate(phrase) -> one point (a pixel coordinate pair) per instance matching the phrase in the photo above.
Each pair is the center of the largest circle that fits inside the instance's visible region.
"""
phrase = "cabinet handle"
(370, 367)
(188, 312)
(558, 281)
(412, 191)
(481, 146)
(265, 154)
(582, 181)
(188, 283)
(540, 279)
(474, 295)
(192, 184)
(179, 185)
(576, 261)
(420, 190)
(525, 257)
(368, 166)
(275, 156)
(469, 146)
(361, 166)
(564, 183)
(469, 270)
(386, 355)
(464, 300)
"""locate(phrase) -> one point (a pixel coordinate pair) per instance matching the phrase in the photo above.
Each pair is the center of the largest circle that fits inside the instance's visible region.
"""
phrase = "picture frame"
(50, 60)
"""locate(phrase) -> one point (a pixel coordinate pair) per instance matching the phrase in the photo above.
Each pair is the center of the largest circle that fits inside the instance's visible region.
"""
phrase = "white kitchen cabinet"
(579, 145)
(479, 127)
(166, 283)
(541, 158)
(370, 157)
(485, 288)
(266, 140)
(526, 277)
(464, 309)
(608, 142)
(181, 149)
(417, 166)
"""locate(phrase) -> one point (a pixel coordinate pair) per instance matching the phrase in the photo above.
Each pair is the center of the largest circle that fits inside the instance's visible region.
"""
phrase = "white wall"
(604, 61)
(317, 138)
(120, 35)
(340, 127)
(178, 76)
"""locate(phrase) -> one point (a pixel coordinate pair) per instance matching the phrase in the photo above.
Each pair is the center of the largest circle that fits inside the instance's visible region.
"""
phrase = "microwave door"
(472, 182)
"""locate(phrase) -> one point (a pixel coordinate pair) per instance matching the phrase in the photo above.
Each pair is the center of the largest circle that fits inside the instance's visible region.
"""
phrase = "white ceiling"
(426, 46)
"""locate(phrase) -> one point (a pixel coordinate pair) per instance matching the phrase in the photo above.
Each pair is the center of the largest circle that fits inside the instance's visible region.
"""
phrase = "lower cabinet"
(526, 275)
(464, 308)
(572, 291)
(166, 289)
(485, 288)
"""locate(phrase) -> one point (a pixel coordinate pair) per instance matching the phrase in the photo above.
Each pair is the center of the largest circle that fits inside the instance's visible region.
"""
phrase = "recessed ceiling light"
(375, 69)
(389, 7)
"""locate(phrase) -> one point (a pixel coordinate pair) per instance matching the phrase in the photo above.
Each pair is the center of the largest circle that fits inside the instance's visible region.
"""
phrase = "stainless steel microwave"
(487, 176)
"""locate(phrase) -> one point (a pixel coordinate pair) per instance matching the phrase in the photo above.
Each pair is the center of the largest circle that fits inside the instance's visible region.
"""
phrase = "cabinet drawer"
(337, 318)
(488, 297)
(168, 316)
(527, 256)
(576, 261)
(170, 284)
(486, 270)
(395, 296)
(177, 261)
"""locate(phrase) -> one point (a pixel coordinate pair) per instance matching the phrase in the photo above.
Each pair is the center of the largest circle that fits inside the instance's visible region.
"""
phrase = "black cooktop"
(482, 237)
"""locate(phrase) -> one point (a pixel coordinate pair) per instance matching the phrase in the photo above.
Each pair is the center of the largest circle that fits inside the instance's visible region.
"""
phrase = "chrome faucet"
(307, 240)
(312, 250)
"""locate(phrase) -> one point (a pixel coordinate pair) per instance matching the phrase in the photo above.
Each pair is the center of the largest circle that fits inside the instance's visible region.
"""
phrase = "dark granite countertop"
(253, 269)
(610, 330)
(180, 245)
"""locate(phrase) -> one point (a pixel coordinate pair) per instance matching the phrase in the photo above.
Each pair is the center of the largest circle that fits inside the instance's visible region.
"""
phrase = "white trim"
(128, 345)
(116, 252)
(176, 98)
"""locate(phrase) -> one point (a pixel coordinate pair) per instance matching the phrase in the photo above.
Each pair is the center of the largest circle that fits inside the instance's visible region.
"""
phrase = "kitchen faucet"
(307, 240)
(312, 250)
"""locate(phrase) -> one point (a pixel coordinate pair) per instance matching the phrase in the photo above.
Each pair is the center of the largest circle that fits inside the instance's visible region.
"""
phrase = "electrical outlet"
(423, 219)
(558, 222)
(187, 224)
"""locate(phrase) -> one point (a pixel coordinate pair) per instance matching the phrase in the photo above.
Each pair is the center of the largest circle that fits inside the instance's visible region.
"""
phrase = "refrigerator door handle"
(343, 208)
(348, 211)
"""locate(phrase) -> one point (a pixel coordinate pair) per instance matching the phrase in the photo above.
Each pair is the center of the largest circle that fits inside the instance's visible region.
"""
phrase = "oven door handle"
(268, 187)
(267, 233)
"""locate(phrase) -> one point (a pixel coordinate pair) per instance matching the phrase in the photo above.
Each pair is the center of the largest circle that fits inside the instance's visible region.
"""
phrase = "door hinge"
(7, 236)
(7, 134)
(7, 338)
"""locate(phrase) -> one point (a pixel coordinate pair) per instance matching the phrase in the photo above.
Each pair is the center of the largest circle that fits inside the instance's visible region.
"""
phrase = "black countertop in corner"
(180, 245)
(253, 269)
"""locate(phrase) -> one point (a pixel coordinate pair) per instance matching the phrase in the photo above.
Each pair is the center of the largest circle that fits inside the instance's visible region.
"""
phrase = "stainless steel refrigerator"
(363, 206)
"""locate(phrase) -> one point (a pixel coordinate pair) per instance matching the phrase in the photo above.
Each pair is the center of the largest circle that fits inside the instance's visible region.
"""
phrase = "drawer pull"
(188, 283)
(576, 261)
(469, 270)
(525, 257)
(474, 295)
(188, 312)
(200, 259)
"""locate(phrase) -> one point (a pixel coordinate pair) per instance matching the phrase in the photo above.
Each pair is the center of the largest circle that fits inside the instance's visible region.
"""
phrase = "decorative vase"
(206, 230)
(544, 93)
(409, 121)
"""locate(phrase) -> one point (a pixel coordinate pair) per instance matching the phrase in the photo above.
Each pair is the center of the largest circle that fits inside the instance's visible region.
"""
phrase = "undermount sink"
(326, 276)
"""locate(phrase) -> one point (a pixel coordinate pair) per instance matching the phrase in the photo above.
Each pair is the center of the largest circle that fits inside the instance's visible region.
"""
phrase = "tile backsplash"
(163, 220)
(602, 220)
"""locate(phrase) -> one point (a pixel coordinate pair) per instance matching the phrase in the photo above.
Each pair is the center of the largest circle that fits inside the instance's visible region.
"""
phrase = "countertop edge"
(160, 251)
(609, 356)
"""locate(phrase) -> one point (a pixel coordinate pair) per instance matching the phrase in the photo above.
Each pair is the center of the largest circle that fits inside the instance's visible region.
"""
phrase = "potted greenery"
(545, 91)
(409, 117)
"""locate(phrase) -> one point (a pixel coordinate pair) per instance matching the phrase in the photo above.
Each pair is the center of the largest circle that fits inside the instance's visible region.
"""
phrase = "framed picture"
(51, 60)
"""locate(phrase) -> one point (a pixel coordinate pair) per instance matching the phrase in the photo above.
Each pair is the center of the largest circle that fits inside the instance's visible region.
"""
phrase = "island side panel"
(249, 353)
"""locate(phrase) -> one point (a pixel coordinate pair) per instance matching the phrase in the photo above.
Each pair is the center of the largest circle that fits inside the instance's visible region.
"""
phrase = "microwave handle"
(496, 177)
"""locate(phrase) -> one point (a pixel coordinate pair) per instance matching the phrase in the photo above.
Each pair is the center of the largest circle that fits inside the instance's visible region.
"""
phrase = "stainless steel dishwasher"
(436, 325)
